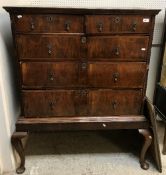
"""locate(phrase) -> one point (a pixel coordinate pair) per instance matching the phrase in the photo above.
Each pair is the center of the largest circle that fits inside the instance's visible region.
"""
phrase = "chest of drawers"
(82, 69)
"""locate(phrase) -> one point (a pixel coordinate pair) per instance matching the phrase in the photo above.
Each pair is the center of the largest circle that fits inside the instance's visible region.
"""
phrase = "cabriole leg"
(147, 142)
(17, 143)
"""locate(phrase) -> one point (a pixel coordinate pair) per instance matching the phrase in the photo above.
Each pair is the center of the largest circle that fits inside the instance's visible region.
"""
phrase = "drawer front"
(115, 102)
(48, 23)
(118, 47)
(47, 74)
(48, 103)
(117, 75)
(48, 46)
(118, 24)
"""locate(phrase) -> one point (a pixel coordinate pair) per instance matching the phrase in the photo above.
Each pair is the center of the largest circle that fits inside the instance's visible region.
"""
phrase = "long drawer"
(52, 103)
(76, 74)
(74, 47)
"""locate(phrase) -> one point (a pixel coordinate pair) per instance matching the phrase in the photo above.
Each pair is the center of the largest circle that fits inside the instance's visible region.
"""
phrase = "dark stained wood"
(118, 24)
(49, 103)
(51, 10)
(83, 69)
(123, 47)
(147, 142)
(69, 74)
(48, 23)
(17, 143)
(47, 74)
(74, 102)
(48, 46)
(113, 102)
(81, 123)
(117, 75)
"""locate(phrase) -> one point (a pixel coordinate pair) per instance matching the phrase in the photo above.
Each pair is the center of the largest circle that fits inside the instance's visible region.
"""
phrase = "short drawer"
(118, 24)
(133, 48)
(117, 75)
(50, 74)
(57, 47)
(48, 103)
(115, 102)
(48, 23)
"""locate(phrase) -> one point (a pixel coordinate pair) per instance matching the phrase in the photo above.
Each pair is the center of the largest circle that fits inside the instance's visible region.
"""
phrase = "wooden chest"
(82, 69)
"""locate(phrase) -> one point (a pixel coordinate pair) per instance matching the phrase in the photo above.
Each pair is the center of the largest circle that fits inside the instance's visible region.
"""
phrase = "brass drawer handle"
(117, 19)
(51, 76)
(84, 92)
(49, 18)
(117, 51)
(115, 76)
(83, 40)
(67, 25)
(134, 26)
(99, 26)
(32, 25)
(52, 105)
(84, 66)
(114, 104)
(49, 49)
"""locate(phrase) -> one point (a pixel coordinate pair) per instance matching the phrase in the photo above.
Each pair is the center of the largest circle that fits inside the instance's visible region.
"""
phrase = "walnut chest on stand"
(82, 69)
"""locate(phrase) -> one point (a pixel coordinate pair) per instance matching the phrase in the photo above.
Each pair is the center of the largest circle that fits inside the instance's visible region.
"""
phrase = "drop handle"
(117, 51)
(32, 25)
(100, 27)
(83, 40)
(114, 105)
(84, 66)
(134, 26)
(115, 76)
(67, 26)
(84, 92)
(49, 49)
(52, 105)
(51, 76)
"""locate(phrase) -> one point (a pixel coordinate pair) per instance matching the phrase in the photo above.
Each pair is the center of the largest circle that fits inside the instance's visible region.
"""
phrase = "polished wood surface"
(48, 46)
(123, 47)
(82, 69)
(39, 124)
(48, 23)
(117, 75)
(117, 24)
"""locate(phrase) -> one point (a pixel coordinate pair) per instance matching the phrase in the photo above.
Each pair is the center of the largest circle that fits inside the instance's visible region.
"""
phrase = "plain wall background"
(9, 106)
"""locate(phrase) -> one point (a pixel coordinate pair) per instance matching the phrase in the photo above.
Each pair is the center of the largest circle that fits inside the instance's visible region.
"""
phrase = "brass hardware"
(52, 104)
(49, 49)
(117, 19)
(51, 76)
(84, 66)
(100, 27)
(116, 76)
(67, 25)
(32, 25)
(134, 25)
(83, 92)
(114, 105)
(83, 40)
(49, 18)
(117, 51)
